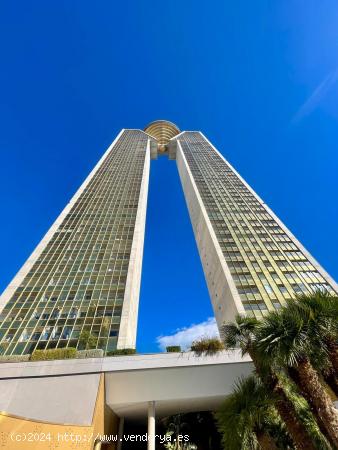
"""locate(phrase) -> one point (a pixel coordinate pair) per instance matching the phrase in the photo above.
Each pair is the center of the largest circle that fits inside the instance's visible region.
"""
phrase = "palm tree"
(283, 338)
(304, 413)
(319, 311)
(176, 426)
(241, 333)
(199, 426)
(246, 415)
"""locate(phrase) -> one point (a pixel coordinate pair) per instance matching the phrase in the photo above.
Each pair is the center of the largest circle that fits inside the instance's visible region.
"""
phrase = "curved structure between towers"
(162, 131)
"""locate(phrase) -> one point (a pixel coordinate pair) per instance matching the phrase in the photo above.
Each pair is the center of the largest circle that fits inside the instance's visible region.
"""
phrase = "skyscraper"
(252, 262)
(85, 274)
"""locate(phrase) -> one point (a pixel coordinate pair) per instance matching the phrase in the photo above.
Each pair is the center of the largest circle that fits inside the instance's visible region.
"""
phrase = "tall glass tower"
(85, 273)
(251, 261)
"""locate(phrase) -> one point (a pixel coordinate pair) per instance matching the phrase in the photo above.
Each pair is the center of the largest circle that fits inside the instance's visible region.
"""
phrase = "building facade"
(251, 261)
(84, 276)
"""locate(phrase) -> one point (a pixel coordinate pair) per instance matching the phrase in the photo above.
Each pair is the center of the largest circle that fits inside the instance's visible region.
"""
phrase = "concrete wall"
(62, 400)
(26, 433)
(62, 393)
(128, 325)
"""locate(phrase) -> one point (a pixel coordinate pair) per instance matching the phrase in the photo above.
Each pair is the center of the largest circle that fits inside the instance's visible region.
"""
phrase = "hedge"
(92, 353)
(122, 351)
(173, 348)
(14, 358)
(65, 353)
(53, 353)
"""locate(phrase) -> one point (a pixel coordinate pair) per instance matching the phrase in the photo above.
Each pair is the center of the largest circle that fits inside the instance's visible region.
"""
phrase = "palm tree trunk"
(333, 354)
(294, 375)
(331, 379)
(286, 409)
(324, 408)
(287, 412)
(265, 441)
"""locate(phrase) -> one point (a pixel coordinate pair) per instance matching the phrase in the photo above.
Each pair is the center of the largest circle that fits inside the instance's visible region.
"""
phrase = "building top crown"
(162, 131)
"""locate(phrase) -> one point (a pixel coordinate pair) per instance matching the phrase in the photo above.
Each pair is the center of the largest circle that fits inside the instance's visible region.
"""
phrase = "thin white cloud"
(317, 95)
(185, 336)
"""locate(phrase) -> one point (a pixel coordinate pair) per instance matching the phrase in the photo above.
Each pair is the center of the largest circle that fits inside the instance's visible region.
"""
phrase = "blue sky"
(260, 79)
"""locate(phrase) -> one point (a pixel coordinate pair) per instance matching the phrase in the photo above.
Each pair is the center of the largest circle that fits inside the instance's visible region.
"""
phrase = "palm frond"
(282, 336)
(248, 408)
(239, 333)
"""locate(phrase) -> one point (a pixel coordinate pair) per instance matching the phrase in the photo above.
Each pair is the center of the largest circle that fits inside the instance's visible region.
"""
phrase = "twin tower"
(85, 273)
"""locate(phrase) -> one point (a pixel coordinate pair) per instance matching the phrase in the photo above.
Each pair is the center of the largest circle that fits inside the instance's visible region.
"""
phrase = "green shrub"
(87, 340)
(92, 353)
(207, 346)
(122, 351)
(53, 353)
(14, 358)
(173, 348)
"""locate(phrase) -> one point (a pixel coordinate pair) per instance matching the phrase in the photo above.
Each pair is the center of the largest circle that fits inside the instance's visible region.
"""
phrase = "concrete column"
(151, 426)
(120, 434)
(97, 445)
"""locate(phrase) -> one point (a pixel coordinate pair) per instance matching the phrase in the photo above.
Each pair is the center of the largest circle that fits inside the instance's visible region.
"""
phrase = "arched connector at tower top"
(162, 131)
